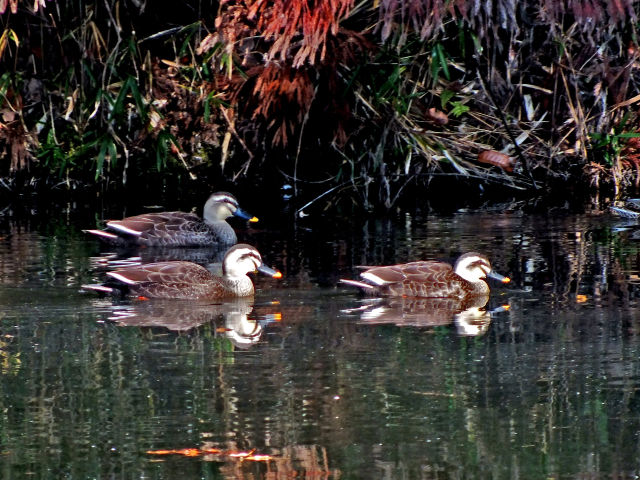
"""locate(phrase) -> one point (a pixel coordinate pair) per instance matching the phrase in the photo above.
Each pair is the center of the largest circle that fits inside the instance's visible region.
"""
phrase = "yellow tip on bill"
(506, 280)
(277, 275)
(253, 219)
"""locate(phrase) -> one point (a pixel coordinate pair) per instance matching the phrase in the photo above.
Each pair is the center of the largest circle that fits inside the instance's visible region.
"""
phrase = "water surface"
(315, 381)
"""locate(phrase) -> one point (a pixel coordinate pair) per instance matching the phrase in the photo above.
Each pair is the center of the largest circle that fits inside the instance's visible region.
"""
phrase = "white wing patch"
(102, 233)
(357, 283)
(122, 278)
(123, 229)
(374, 278)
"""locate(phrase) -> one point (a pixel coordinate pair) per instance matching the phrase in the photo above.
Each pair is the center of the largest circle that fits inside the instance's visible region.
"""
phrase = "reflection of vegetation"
(396, 92)
(9, 364)
(550, 382)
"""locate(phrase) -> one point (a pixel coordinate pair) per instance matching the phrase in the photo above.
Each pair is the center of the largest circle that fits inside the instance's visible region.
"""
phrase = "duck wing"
(161, 228)
(423, 271)
(170, 280)
(425, 279)
(164, 273)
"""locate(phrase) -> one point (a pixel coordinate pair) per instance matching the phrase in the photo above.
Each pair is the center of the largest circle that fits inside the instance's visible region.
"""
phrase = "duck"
(630, 209)
(178, 229)
(430, 279)
(187, 280)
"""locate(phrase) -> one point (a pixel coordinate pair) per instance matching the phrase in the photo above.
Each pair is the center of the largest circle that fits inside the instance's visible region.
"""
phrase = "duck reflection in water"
(210, 258)
(429, 293)
(182, 316)
(630, 210)
(470, 316)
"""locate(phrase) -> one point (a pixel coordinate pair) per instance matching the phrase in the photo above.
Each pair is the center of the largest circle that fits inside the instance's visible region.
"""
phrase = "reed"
(367, 98)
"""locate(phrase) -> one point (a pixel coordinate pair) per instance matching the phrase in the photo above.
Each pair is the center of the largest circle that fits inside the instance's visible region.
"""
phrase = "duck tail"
(358, 284)
(98, 288)
(102, 234)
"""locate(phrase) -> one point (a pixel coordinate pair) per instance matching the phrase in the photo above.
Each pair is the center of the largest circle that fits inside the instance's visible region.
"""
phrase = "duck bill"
(269, 271)
(244, 215)
(497, 276)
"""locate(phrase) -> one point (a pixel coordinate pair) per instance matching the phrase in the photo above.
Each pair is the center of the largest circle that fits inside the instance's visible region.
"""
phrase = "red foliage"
(299, 25)
(294, 29)
(284, 46)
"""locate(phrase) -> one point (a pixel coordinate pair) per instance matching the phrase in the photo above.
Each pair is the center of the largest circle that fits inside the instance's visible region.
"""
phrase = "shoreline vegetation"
(360, 103)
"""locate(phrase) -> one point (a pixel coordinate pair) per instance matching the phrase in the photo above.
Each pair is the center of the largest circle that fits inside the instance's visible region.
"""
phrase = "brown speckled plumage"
(181, 280)
(188, 280)
(177, 229)
(429, 279)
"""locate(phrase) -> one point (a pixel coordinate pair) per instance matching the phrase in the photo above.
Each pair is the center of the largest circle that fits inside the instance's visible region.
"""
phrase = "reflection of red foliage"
(196, 452)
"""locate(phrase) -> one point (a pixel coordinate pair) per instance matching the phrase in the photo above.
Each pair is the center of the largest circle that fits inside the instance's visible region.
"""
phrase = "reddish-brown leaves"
(18, 142)
(298, 28)
(281, 89)
(436, 116)
(631, 157)
(498, 159)
(284, 44)
(295, 30)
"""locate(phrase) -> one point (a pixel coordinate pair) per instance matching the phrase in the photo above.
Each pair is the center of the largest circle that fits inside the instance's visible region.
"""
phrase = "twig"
(299, 212)
(295, 165)
(500, 113)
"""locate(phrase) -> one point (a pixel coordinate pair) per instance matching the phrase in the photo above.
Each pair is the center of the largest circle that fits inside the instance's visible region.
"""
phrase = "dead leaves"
(498, 159)
(283, 46)
(17, 140)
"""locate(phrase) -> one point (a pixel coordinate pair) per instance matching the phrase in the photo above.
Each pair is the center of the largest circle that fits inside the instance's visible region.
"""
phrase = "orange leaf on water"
(195, 452)
(241, 454)
(211, 451)
(189, 452)
(160, 452)
(259, 458)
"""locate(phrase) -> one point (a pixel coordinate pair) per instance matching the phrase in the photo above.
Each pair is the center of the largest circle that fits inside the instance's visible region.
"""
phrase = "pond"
(310, 379)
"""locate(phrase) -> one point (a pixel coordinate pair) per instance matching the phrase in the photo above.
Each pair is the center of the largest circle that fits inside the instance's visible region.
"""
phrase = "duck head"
(475, 267)
(222, 205)
(242, 259)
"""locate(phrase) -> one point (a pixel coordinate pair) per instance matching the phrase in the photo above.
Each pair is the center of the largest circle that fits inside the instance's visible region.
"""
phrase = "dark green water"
(549, 388)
